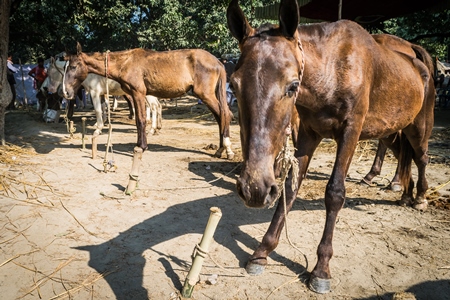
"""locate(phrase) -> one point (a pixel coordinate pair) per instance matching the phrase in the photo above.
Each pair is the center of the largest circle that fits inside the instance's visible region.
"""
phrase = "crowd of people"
(38, 73)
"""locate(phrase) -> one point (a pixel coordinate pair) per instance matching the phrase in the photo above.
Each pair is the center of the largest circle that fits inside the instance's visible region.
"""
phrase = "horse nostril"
(273, 194)
(243, 190)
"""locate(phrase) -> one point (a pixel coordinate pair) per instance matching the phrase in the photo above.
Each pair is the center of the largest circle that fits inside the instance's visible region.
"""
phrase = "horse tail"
(405, 159)
(425, 57)
(429, 87)
(221, 95)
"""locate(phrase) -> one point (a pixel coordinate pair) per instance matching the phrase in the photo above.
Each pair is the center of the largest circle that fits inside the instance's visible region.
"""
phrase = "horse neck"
(96, 63)
(59, 67)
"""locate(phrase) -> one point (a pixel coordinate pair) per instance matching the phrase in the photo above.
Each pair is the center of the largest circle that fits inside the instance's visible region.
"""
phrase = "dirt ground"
(68, 231)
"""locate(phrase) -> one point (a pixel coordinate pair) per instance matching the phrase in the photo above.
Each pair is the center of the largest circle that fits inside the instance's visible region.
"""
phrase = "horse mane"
(267, 29)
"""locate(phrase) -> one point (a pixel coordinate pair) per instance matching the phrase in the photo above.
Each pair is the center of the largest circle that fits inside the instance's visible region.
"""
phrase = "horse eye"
(72, 67)
(292, 89)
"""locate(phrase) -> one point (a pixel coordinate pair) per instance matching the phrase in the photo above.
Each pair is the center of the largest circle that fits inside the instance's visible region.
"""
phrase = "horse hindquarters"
(417, 134)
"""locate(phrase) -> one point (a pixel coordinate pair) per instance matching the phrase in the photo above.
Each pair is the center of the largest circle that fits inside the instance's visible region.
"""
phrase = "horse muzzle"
(256, 195)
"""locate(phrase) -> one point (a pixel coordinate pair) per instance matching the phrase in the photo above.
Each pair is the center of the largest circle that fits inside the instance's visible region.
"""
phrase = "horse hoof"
(319, 285)
(218, 153)
(395, 187)
(254, 268)
(421, 204)
(364, 181)
(405, 201)
(230, 156)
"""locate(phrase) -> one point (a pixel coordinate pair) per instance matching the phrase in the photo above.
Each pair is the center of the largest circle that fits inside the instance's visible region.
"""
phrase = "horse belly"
(390, 118)
(169, 86)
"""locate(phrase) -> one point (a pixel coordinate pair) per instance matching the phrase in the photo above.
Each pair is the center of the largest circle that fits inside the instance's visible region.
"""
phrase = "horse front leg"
(304, 152)
(97, 103)
(158, 114)
(320, 280)
(139, 102)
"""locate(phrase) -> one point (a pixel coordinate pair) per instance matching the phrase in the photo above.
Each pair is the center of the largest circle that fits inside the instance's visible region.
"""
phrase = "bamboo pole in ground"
(94, 146)
(71, 129)
(83, 132)
(200, 252)
(134, 173)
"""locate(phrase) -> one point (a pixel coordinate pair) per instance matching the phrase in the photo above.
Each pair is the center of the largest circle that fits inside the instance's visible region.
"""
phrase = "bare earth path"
(68, 231)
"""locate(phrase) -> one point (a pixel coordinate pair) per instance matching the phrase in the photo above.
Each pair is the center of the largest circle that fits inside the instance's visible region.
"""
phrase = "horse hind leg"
(405, 160)
(223, 119)
(377, 164)
(393, 143)
(420, 157)
(420, 202)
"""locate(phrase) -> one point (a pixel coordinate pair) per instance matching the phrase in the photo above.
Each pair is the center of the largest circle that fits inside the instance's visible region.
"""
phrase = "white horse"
(95, 85)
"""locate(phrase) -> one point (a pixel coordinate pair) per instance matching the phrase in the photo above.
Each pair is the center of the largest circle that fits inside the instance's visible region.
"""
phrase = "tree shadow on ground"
(428, 290)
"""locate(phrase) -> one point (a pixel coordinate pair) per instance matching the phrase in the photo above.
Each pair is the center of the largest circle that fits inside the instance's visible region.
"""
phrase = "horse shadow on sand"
(123, 254)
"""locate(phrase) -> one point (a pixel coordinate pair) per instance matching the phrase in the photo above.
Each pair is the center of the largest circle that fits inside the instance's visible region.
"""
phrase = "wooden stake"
(94, 146)
(83, 132)
(134, 174)
(200, 252)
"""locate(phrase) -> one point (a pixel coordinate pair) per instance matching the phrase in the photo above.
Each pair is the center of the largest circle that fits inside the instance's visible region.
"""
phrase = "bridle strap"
(302, 68)
(66, 65)
(106, 63)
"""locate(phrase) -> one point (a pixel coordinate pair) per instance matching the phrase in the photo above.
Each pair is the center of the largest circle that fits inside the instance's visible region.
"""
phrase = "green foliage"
(47, 27)
(428, 29)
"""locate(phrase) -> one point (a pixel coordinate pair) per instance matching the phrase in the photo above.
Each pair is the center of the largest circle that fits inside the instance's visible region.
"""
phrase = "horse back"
(169, 74)
(350, 74)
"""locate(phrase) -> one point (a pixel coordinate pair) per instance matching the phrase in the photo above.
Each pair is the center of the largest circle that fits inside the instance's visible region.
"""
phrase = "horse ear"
(52, 60)
(78, 48)
(237, 23)
(289, 17)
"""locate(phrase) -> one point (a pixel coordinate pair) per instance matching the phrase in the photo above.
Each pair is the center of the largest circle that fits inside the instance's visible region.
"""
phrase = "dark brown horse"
(345, 85)
(167, 74)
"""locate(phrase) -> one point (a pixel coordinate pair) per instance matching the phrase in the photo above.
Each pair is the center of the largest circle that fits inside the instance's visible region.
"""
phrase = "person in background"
(39, 73)
(10, 77)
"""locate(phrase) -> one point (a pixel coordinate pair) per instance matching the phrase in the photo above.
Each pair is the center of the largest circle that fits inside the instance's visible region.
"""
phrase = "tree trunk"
(5, 91)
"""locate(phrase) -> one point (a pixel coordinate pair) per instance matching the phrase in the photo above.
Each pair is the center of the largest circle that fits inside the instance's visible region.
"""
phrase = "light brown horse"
(167, 74)
(345, 85)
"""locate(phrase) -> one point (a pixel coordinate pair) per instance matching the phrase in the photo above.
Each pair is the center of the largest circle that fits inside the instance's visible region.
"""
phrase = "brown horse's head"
(266, 82)
(75, 73)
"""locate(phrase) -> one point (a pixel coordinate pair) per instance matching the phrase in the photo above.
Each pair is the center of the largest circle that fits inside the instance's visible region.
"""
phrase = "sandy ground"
(68, 231)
